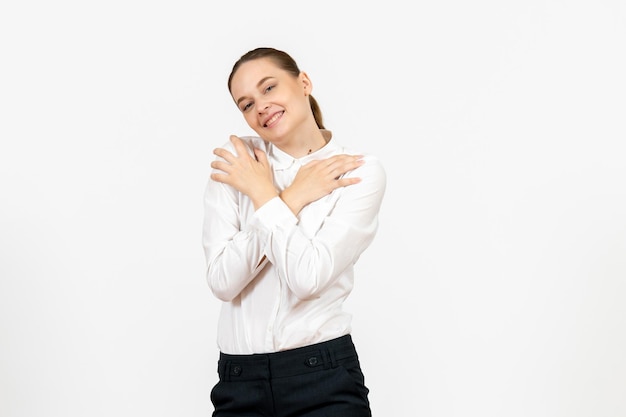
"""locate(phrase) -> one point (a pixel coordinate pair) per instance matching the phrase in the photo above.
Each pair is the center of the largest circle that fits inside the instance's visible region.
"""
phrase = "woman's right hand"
(319, 178)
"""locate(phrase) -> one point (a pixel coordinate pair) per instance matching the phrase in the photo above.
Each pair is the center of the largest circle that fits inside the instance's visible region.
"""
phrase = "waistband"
(290, 362)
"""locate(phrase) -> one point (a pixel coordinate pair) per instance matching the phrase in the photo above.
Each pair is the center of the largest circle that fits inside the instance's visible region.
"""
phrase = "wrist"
(263, 196)
(291, 200)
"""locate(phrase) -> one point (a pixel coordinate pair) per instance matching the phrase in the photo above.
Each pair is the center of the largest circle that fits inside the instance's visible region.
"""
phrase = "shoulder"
(372, 170)
(372, 162)
(373, 166)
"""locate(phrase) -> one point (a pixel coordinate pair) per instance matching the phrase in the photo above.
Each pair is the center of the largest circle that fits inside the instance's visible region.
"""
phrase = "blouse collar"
(282, 160)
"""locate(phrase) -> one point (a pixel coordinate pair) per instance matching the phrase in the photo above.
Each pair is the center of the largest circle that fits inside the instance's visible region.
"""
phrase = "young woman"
(287, 215)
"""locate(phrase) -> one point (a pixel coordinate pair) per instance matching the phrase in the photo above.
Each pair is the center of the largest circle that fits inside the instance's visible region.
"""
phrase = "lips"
(273, 119)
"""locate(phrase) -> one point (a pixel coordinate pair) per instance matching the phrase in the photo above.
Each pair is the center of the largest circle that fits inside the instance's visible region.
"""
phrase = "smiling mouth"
(273, 118)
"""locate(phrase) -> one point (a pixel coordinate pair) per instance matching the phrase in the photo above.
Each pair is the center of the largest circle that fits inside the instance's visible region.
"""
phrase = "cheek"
(304, 108)
(250, 118)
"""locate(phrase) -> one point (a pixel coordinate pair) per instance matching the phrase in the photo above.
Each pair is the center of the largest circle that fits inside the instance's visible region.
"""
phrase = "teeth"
(273, 119)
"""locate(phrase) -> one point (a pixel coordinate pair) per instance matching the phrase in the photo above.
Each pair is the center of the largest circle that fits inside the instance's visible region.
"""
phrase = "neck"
(306, 144)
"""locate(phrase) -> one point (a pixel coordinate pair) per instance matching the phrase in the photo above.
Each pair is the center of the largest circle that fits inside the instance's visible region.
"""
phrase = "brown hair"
(283, 61)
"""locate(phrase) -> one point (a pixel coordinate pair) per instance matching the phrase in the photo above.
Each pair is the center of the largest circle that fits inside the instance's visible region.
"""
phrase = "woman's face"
(274, 103)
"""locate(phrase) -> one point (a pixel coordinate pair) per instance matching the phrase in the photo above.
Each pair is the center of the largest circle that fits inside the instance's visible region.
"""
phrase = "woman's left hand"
(249, 175)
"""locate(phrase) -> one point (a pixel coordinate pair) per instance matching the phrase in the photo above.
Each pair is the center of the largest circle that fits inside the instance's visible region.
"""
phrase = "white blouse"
(294, 296)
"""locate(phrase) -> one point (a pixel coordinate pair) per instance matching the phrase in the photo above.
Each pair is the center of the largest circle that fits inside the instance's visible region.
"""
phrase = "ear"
(306, 83)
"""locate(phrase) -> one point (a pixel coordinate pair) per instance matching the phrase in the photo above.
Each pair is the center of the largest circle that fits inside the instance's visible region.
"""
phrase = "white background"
(495, 287)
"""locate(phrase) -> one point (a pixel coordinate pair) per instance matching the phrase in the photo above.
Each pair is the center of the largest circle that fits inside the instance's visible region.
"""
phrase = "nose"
(262, 107)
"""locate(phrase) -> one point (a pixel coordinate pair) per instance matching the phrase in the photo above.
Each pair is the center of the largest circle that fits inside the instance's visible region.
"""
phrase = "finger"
(261, 156)
(340, 168)
(345, 157)
(343, 160)
(240, 146)
(219, 177)
(354, 164)
(349, 160)
(344, 182)
(220, 165)
(224, 154)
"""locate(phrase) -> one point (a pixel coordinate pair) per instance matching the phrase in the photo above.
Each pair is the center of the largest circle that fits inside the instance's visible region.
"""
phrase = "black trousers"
(320, 380)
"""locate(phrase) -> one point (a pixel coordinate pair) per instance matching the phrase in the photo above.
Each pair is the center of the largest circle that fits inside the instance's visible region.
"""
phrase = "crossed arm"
(237, 252)
(252, 176)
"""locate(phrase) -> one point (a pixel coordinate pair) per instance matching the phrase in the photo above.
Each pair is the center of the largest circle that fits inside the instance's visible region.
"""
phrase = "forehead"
(250, 73)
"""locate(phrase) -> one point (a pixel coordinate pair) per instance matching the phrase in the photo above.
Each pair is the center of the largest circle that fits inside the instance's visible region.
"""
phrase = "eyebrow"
(257, 85)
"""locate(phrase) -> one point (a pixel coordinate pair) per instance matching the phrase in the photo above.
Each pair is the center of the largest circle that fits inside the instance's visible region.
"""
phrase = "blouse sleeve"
(310, 263)
(234, 252)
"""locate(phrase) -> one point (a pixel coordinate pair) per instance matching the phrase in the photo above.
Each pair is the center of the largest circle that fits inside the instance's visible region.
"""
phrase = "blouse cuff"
(273, 213)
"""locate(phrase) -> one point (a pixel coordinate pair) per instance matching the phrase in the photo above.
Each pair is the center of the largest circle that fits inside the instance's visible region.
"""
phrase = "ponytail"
(317, 113)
